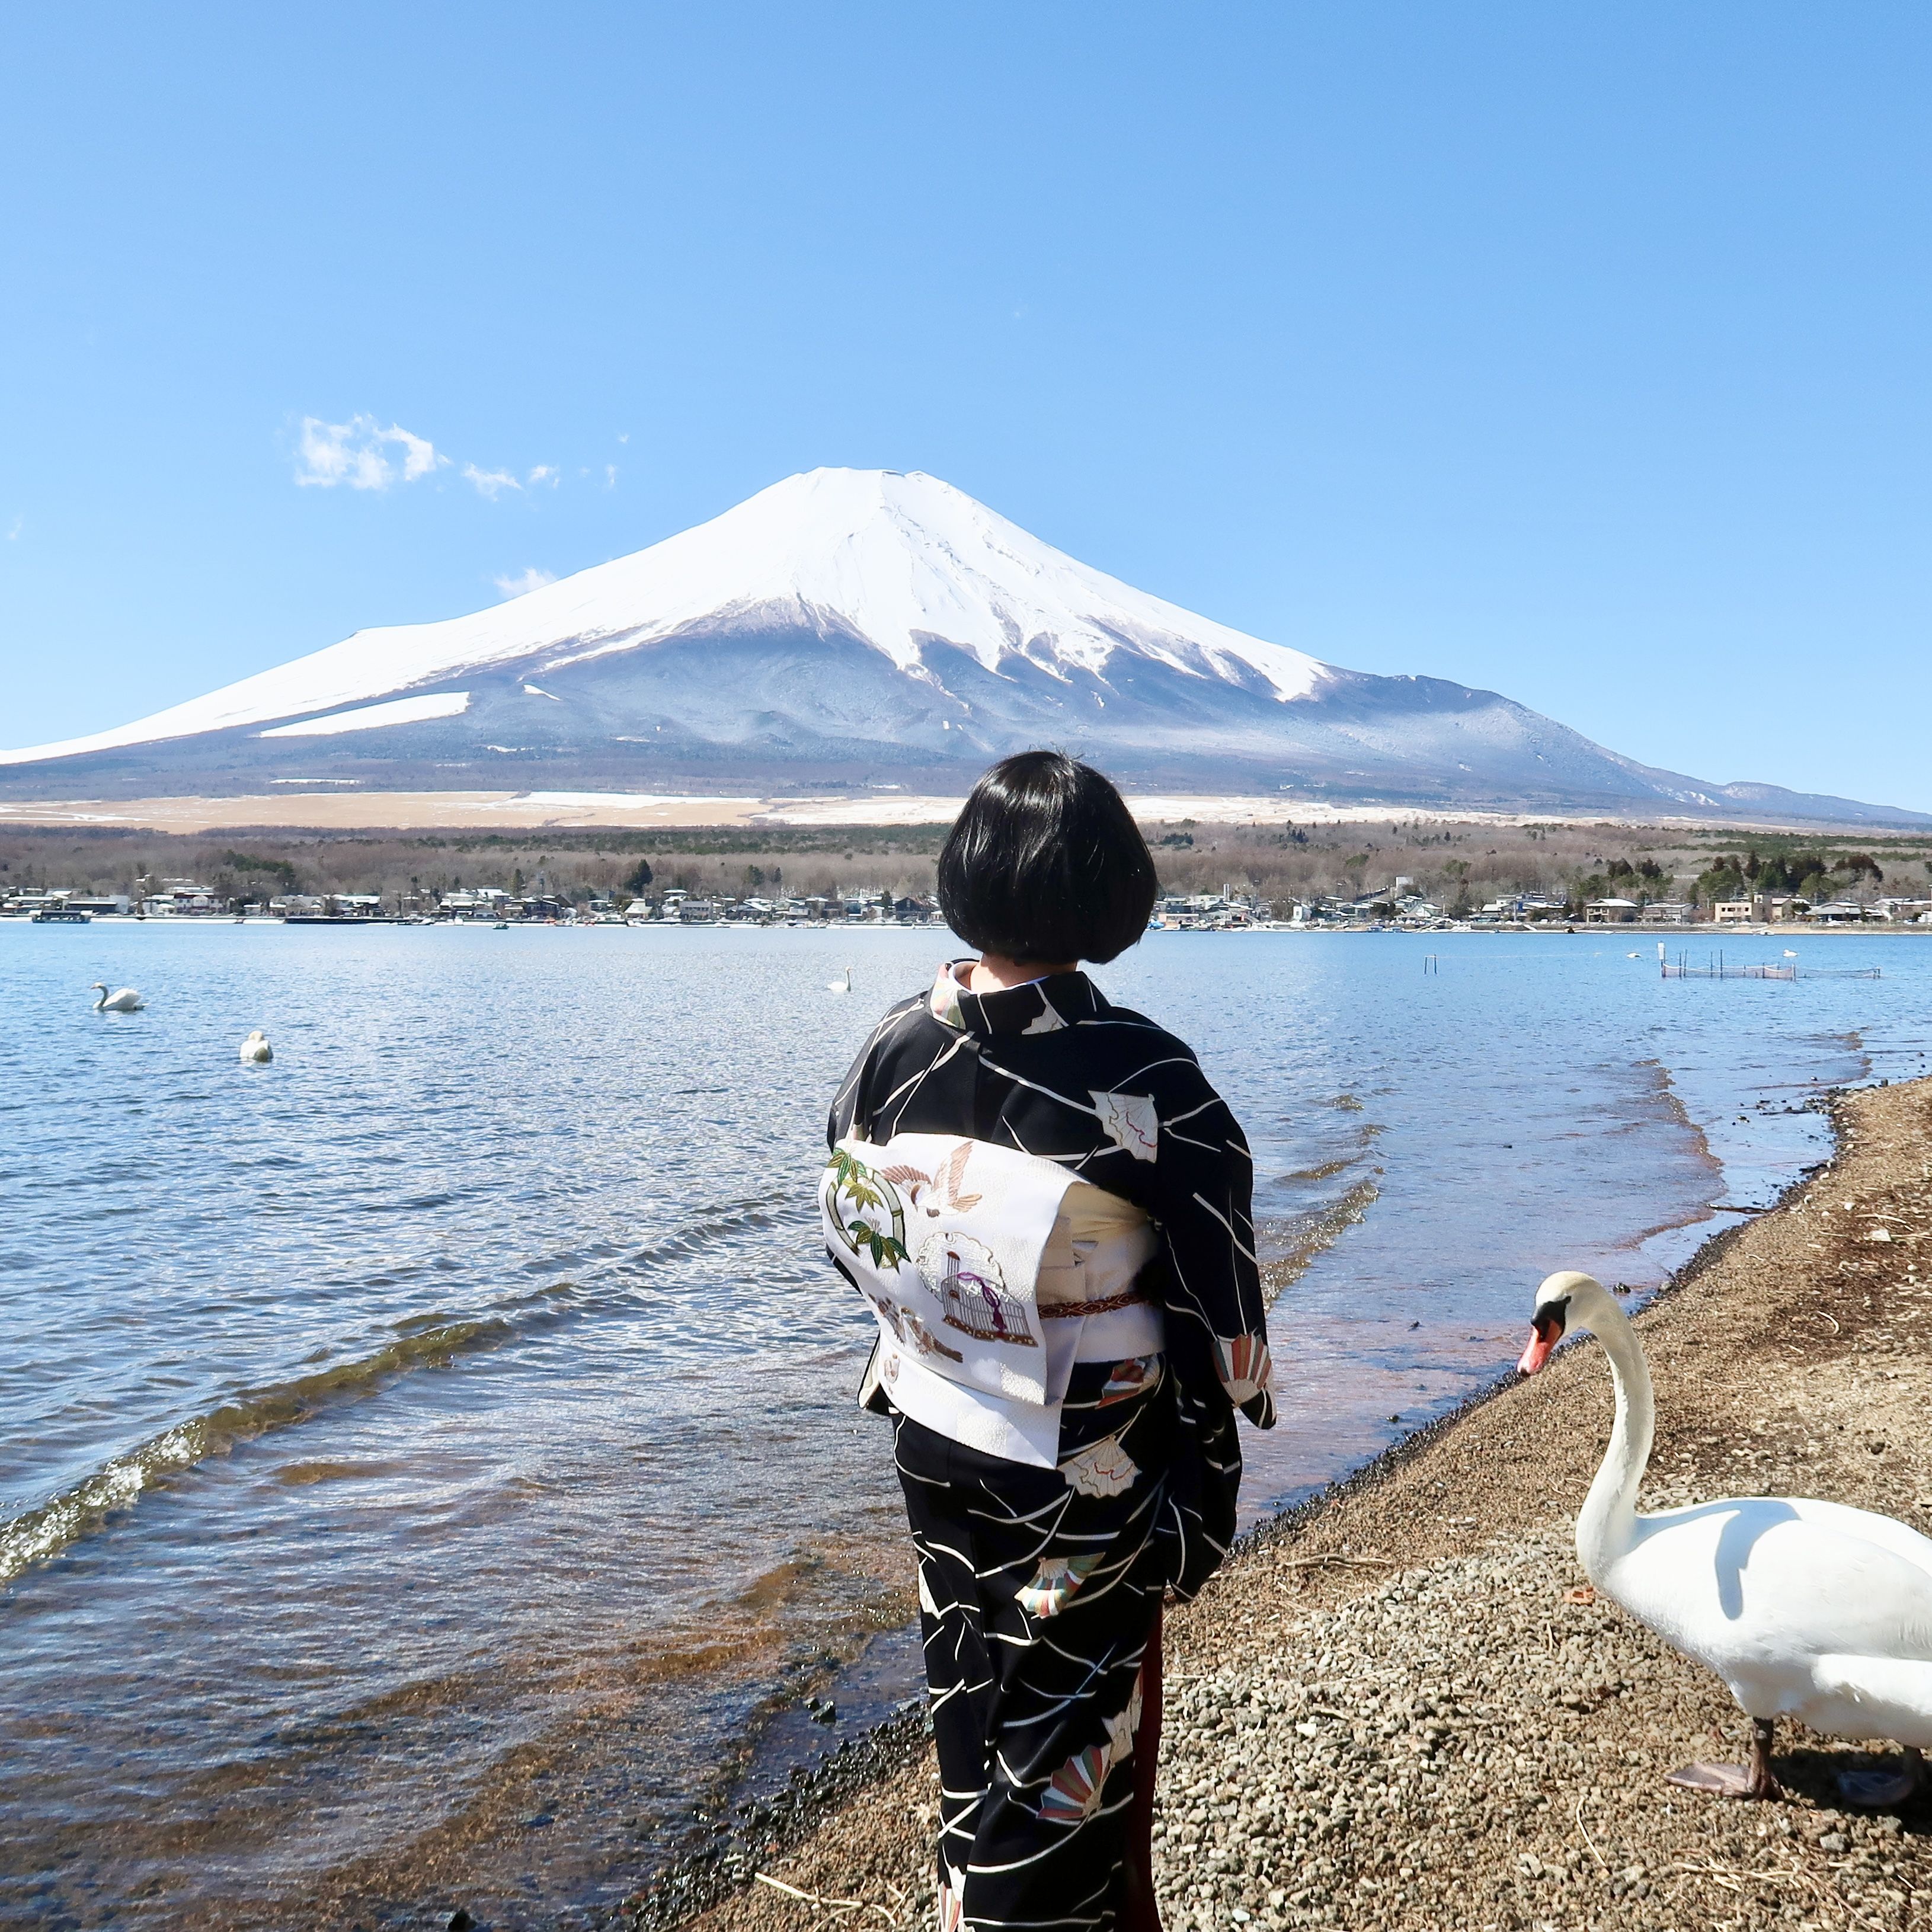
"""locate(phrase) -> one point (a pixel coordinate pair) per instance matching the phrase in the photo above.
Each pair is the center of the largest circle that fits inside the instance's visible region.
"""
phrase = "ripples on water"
(424, 1460)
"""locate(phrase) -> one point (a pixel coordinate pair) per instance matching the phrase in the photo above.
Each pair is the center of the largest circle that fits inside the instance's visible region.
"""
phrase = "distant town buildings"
(1399, 905)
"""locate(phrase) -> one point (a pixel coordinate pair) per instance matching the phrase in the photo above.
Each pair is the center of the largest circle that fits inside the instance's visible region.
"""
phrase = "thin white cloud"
(365, 453)
(15, 528)
(362, 454)
(532, 579)
(610, 476)
(490, 483)
(419, 456)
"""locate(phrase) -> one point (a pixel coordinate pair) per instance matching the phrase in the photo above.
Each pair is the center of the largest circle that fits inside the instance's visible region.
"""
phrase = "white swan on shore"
(844, 985)
(255, 1050)
(127, 1000)
(1806, 1610)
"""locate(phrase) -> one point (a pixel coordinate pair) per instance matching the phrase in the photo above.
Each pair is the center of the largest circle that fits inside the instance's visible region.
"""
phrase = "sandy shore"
(1400, 1708)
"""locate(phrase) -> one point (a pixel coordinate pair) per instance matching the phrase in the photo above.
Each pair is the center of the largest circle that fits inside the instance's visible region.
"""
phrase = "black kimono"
(1039, 1588)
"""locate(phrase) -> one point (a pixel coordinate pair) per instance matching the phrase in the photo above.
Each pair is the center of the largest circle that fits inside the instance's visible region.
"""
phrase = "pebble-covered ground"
(1406, 1709)
(1467, 1746)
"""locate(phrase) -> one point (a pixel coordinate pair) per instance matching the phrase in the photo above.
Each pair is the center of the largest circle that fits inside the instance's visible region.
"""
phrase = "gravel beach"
(1403, 1708)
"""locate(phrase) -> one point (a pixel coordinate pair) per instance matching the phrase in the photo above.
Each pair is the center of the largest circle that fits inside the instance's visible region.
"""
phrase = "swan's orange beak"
(1542, 1345)
(1546, 1329)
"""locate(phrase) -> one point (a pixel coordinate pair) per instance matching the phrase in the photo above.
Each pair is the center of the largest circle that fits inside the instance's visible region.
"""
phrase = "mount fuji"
(851, 626)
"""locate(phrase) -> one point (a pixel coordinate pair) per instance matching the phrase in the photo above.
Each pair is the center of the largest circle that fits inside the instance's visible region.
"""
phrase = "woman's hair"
(1045, 863)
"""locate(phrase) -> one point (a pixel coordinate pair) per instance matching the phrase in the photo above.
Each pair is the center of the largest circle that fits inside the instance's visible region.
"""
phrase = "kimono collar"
(1041, 1006)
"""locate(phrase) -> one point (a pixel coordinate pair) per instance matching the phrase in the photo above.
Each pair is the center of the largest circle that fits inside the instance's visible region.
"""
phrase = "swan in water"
(127, 1000)
(844, 985)
(1806, 1610)
(255, 1050)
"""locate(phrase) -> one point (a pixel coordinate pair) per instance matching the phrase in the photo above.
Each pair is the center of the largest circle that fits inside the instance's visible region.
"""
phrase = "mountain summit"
(848, 624)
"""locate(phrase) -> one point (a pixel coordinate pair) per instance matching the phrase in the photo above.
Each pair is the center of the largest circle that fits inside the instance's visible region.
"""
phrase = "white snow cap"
(897, 559)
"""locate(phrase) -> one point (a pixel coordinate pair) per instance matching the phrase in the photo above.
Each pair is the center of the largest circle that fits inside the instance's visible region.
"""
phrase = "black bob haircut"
(1046, 865)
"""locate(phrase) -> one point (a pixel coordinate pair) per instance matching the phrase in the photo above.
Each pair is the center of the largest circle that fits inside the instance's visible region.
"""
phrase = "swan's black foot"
(1880, 1790)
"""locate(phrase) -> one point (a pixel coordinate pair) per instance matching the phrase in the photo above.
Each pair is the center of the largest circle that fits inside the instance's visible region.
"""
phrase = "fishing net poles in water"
(1719, 969)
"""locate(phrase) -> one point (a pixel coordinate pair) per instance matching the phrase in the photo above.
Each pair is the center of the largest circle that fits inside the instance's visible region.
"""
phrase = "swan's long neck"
(1608, 1519)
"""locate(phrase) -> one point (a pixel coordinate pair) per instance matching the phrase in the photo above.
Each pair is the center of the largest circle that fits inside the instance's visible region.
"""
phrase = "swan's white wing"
(1758, 1590)
(1886, 1531)
(1872, 1697)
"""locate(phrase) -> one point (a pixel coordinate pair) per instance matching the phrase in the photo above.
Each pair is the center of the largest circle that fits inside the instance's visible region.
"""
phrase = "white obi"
(991, 1272)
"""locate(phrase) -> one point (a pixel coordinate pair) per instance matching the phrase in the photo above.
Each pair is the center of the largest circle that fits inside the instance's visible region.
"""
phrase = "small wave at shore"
(39, 1533)
(1305, 1236)
(757, 1212)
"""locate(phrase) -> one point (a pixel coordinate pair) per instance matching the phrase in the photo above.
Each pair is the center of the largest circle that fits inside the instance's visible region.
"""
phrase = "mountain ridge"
(841, 623)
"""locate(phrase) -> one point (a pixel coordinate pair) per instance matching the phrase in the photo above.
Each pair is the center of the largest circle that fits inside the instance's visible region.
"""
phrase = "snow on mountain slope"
(377, 717)
(896, 560)
(862, 627)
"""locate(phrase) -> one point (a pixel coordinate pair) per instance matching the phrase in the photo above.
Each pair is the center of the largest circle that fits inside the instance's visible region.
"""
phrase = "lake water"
(434, 1451)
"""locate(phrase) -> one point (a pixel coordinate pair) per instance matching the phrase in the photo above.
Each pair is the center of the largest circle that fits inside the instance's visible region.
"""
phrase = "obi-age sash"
(946, 1237)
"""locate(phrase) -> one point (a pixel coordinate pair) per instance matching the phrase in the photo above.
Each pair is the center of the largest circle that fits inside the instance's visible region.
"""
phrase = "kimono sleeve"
(1203, 1195)
(852, 1104)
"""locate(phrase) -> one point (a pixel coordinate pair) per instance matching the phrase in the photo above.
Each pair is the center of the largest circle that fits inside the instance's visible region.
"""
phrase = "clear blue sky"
(1577, 352)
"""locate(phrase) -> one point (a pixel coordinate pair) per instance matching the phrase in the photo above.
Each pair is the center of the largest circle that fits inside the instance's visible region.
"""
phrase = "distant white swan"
(127, 1000)
(844, 985)
(1806, 1610)
(255, 1050)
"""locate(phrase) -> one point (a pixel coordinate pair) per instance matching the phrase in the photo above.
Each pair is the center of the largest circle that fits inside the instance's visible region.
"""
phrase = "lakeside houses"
(479, 902)
(1399, 906)
(1760, 909)
(1875, 912)
(1222, 911)
(1518, 908)
(61, 898)
(675, 906)
(183, 898)
(333, 906)
(1612, 912)
(1782, 908)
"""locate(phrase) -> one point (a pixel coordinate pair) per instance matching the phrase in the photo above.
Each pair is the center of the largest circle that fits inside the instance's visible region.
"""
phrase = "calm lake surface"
(441, 1439)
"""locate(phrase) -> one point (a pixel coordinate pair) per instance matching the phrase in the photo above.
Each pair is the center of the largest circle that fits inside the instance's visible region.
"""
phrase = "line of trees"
(1815, 876)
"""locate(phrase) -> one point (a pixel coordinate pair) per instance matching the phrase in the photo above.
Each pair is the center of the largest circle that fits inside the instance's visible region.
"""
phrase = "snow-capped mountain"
(848, 624)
